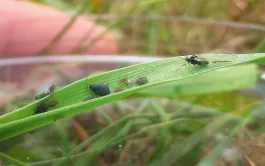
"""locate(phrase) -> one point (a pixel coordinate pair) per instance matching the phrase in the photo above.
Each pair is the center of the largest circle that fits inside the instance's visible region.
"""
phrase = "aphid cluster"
(104, 90)
(43, 106)
(98, 90)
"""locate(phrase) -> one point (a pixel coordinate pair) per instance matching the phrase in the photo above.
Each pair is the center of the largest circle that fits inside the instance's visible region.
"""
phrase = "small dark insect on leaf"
(99, 89)
(142, 81)
(89, 98)
(52, 88)
(196, 60)
(42, 95)
(126, 81)
(53, 103)
(41, 108)
(191, 59)
(119, 89)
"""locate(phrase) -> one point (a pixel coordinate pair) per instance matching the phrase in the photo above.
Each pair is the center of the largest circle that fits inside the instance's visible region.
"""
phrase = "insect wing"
(220, 51)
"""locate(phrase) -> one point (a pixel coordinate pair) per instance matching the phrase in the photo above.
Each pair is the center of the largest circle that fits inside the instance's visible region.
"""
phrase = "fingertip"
(29, 28)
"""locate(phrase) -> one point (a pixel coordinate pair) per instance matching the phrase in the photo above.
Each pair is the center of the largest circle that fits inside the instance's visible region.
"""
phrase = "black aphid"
(41, 108)
(119, 89)
(52, 88)
(89, 98)
(53, 103)
(196, 60)
(126, 81)
(142, 81)
(99, 89)
(42, 95)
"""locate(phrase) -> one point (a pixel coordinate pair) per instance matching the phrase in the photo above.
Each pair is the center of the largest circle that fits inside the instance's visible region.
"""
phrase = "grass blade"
(71, 97)
(210, 159)
(180, 149)
(12, 160)
(239, 77)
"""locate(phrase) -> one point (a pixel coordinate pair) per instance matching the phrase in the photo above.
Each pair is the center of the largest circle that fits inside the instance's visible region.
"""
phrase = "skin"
(26, 28)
